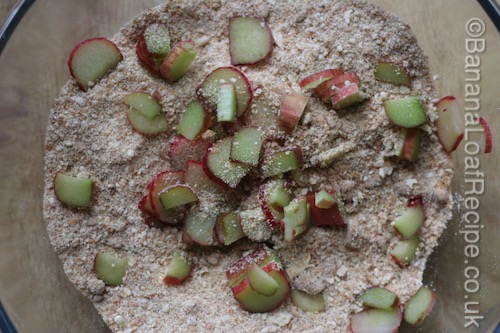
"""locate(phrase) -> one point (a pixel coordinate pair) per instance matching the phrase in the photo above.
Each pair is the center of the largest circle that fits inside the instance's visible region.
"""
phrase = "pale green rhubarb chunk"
(227, 104)
(178, 61)
(73, 191)
(419, 306)
(178, 270)
(110, 268)
(308, 302)
(392, 73)
(379, 298)
(247, 146)
(406, 112)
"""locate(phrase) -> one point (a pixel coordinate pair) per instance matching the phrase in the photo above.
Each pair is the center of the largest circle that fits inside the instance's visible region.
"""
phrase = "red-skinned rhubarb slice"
(208, 91)
(410, 140)
(194, 122)
(347, 96)
(291, 109)
(335, 215)
(376, 321)
(178, 61)
(206, 189)
(297, 218)
(328, 88)
(248, 298)
(145, 113)
(177, 195)
(315, 79)
(250, 40)
(273, 197)
(92, 59)
(408, 223)
(152, 47)
(178, 270)
(220, 168)
(161, 182)
(183, 150)
(488, 138)
(450, 125)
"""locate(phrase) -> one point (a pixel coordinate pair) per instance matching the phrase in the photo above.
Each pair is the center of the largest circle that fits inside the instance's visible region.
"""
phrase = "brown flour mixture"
(89, 135)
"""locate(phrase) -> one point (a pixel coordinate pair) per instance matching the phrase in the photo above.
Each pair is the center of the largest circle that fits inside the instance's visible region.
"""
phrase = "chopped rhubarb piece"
(297, 219)
(178, 270)
(308, 302)
(146, 207)
(410, 140)
(419, 306)
(347, 96)
(184, 150)
(196, 178)
(208, 91)
(334, 215)
(73, 191)
(450, 125)
(328, 88)
(228, 229)
(324, 200)
(250, 40)
(145, 114)
(110, 268)
(161, 182)
(315, 79)
(178, 61)
(199, 226)
(405, 251)
(411, 220)
(227, 103)
(392, 73)
(247, 146)
(488, 138)
(261, 281)
(153, 46)
(177, 195)
(376, 321)
(254, 225)
(281, 162)
(406, 112)
(263, 115)
(220, 168)
(238, 277)
(92, 59)
(194, 122)
(379, 298)
(291, 109)
(273, 197)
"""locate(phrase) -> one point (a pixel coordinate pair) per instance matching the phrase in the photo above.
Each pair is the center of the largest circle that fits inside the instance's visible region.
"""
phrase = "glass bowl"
(35, 294)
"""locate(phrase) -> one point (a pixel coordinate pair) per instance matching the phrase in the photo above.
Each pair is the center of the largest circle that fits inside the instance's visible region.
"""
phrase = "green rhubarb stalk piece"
(178, 270)
(324, 200)
(227, 104)
(392, 73)
(261, 281)
(176, 196)
(405, 251)
(194, 121)
(178, 61)
(407, 112)
(308, 302)
(110, 268)
(247, 146)
(379, 298)
(73, 191)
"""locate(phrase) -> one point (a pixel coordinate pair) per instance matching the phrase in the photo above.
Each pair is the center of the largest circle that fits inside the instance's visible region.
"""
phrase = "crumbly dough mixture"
(88, 135)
